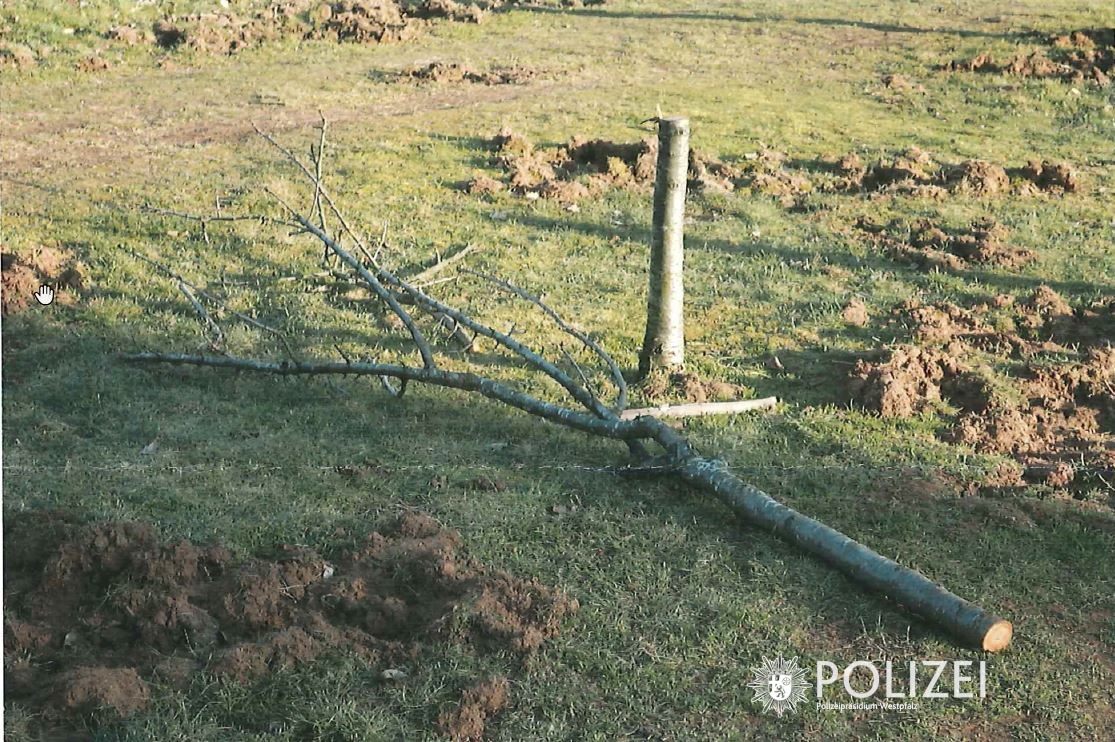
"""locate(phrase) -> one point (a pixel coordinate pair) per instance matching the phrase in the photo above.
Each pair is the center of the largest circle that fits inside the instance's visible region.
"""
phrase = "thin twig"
(169, 272)
(261, 218)
(613, 367)
(614, 428)
(317, 172)
(422, 278)
(218, 335)
(324, 193)
(580, 372)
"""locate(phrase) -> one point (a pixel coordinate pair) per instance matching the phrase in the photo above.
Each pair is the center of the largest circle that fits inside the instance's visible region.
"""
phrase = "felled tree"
(654, 447)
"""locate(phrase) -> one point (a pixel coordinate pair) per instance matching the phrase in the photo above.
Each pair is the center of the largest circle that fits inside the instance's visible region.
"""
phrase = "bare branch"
(423, 277)
(318, 157)
(613, 367)
(614, 428)
(909, 588)
(167, 271)
(218, 336)
(207, 218)
(378, 288)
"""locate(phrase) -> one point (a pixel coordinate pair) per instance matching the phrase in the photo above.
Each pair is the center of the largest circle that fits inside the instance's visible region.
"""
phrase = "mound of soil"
(129, 35)
(349, 21)
(572, 172)
(906, 383)
(1045, 175)
(902, 84)
(588, 167)
(1075, 57)
(855, 313)
(907, 171)
(1054, 418)
(22, 277)
(484, 184)
(1064, 416)
(92, 64)
(93, 613)
(916, 172)
(451, 72)
(467, 720)
(16, 56)
(978, 177)
(934, 248)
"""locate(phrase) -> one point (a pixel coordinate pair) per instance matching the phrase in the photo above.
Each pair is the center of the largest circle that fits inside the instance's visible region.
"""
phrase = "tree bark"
(664, 341)
(970, 623)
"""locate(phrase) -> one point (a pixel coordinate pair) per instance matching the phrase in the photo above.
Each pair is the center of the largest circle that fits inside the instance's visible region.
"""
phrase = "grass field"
(679, 601)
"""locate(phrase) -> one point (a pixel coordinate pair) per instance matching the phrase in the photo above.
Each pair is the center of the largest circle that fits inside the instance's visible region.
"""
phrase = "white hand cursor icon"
(45, 295)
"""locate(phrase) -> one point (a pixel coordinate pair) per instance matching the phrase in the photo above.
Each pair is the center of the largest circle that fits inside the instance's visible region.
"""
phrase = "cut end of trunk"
(998, 636)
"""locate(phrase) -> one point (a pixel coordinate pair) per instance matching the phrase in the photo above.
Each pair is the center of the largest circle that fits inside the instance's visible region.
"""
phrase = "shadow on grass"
(479, 149)
(767, 19)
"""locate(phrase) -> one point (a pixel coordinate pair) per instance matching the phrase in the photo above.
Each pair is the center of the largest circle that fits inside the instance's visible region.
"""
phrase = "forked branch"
(968, 622)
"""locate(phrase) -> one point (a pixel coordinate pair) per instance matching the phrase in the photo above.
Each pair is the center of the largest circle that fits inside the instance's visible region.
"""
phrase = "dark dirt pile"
(916, 172)
(1081, 56)
(22, 277)
(345, 21)
(451, 72)
(1002, 366)
(931, 247)
(16, 56)
(1045, 175)
(908, 382)
(467, 720)
(580, 169)
(95, 612)
(588, 167)
(352, 21)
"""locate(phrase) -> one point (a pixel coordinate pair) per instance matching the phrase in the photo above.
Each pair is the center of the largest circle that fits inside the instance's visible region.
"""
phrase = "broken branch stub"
(969, 623)
(664, 341)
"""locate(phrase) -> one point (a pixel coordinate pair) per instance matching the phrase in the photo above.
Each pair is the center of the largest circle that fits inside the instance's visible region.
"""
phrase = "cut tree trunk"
(664, 341)
(972, 624)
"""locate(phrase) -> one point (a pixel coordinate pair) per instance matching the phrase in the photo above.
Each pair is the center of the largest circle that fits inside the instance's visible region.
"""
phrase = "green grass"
(679, 600)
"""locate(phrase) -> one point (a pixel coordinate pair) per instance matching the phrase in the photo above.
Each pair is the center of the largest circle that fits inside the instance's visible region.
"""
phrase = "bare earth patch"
(662, 387)
(1087, 55)
(22, 276)
(933, 248)
(1054, 417)
(467, 720)
(454, 73)
(96, 612)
